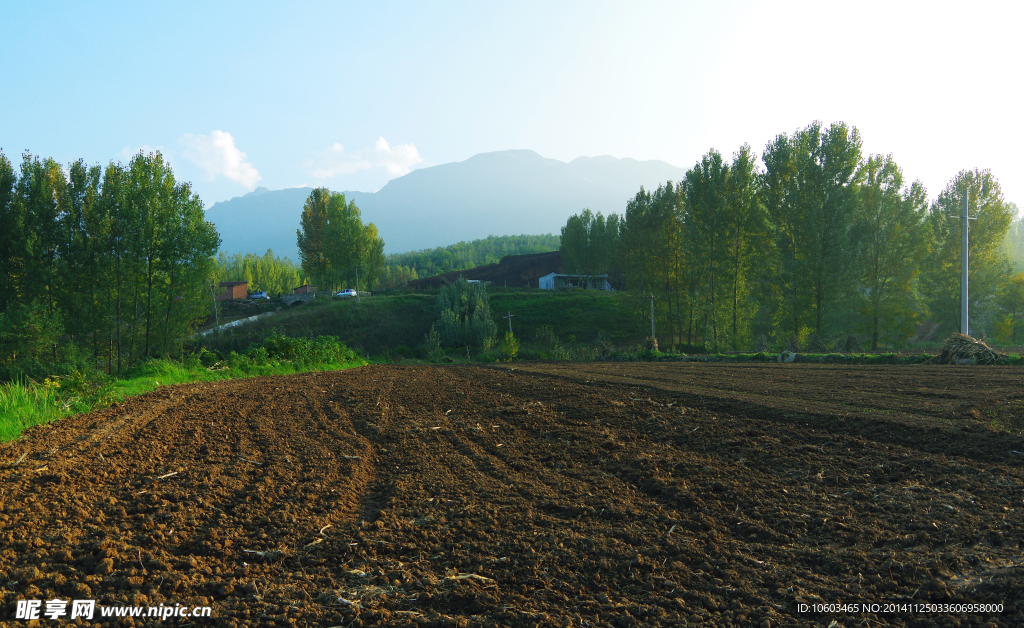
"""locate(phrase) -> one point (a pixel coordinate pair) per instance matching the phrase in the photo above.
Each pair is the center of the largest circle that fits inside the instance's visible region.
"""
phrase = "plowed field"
(544, 495)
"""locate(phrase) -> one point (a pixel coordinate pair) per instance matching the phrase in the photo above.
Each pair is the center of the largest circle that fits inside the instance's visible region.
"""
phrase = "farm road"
(551, 495)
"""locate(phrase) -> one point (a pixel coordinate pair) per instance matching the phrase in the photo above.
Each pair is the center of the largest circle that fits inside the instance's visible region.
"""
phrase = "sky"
(350, 95)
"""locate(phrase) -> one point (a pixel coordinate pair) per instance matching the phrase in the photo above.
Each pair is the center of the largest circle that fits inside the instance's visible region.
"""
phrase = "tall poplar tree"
(810, 192)
(987, 259)
(890, 233)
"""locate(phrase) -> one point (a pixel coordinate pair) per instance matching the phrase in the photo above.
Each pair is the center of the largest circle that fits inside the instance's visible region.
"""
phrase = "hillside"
(505, 192)
(513, 271)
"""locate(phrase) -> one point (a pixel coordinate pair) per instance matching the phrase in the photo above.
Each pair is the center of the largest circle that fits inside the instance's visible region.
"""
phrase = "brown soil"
(545, 495)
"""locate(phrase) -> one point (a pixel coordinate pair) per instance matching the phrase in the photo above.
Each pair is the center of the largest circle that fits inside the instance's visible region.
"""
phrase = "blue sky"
(350, 95)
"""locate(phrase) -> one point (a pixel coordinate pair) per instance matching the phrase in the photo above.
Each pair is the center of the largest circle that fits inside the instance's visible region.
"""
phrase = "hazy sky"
(350, 95)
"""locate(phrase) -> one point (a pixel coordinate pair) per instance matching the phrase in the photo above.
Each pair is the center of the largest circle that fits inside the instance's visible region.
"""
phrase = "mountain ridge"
(495, 193)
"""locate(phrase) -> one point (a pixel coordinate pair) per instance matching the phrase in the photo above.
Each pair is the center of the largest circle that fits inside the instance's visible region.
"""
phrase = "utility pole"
(509, 317)
(964, 327)
(652, 317)
(216, 316)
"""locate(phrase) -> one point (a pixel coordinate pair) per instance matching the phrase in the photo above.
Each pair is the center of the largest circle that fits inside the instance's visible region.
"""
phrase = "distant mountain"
(501, 193)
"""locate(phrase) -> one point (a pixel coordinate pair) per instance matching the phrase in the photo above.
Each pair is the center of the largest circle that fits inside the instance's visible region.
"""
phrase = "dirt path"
(552, 495)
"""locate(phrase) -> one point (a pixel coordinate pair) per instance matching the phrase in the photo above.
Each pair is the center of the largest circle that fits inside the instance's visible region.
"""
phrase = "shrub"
(432, 345)
(464, 315)
(509, 347)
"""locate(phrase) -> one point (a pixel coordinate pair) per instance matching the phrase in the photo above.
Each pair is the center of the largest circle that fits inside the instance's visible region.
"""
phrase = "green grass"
(23, 406)
(395, 324)
(27, 404)
(576, 316)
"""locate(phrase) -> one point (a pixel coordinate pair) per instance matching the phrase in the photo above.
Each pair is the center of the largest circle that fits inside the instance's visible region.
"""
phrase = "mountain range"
(500, 193)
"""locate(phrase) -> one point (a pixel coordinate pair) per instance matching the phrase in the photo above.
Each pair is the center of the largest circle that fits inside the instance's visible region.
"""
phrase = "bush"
(432, 345)
(509, 347)
(545, 337)
(464, 315)
(301, 351)
(32, 344)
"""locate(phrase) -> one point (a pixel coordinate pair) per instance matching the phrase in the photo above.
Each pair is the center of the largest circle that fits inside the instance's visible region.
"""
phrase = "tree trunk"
(149, 299)
(119, 314)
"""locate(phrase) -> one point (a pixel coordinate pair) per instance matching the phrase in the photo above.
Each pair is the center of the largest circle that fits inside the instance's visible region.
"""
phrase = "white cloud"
(396, 161)
(217, 154)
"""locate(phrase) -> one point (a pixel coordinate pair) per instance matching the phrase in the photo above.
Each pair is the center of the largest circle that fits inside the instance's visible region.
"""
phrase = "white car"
(346, 293)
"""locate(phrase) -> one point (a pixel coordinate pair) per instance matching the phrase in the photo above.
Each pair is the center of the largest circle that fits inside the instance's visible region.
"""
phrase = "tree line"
(815, 238)
(102, 265)
(265, 273)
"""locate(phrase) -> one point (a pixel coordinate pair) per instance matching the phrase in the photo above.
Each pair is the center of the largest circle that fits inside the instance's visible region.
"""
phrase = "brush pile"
(961, 349)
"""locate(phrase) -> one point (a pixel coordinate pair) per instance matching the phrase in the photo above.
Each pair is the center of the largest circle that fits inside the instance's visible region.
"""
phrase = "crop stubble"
(540, 495)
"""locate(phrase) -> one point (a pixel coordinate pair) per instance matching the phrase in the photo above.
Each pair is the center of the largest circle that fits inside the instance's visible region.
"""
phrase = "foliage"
(810, 193)
(588, 243)
(305, 351)
(464, 315)
(26, 403)
(404, 267)
(989, 267)
(334, 244)
(1009, 329)
(269, 273)
(819, 239)
(120, 256)
(432, 344)
(1013, 244)
(890, 229)
(509, 347)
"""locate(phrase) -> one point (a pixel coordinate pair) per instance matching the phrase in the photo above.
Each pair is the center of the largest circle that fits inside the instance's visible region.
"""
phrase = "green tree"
(1009, 329)
(891, 235)
(12, 235)
(988, 265)
(706, 236)
(588, 243)
(464, 315)
(334, 244)
(745, 222)
(810, 193)
(1013, 245)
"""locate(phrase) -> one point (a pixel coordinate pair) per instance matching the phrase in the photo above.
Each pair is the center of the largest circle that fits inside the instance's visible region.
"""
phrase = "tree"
(745, 224)
(707, 238)
(335, 245)
(588, 243)
(1010, 327)
(464, 315)
(890, 233)
(810, 193)
(12, 235)
(988, 264)
(312, 236)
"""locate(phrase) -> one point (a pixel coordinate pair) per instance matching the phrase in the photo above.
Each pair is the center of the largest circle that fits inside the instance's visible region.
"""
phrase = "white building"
(554, 281)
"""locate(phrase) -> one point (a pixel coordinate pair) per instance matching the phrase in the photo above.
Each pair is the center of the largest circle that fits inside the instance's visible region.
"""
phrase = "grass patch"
(25, 404)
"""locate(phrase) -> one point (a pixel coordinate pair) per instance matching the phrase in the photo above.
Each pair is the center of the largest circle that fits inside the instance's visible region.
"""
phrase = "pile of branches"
(961, 349)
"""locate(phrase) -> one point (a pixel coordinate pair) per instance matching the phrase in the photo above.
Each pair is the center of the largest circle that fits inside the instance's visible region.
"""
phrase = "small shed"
(235, 290)
(305, 289)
